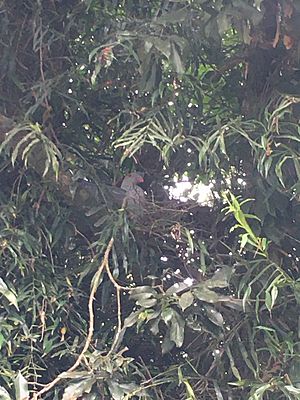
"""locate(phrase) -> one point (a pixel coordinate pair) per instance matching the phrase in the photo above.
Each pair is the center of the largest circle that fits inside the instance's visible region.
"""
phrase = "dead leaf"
(277, 35)
(288, 42)
(288, 10)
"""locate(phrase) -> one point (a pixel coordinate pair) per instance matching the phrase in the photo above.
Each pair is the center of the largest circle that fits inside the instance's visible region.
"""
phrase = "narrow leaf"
(21, 387)
(8, 293)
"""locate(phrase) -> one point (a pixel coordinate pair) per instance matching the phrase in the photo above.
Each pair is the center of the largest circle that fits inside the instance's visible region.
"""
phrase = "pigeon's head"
(132, 180)
(135, 177)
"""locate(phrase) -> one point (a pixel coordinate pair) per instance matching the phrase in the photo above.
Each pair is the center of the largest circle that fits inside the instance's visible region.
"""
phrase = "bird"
(134, 199)
(129, 196)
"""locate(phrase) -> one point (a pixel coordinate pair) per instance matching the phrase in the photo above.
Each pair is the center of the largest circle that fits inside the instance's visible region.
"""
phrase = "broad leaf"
(186, 300)
(76, 390)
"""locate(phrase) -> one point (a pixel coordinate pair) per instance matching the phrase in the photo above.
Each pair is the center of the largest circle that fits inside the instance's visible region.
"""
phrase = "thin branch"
(119, 327)
(96, 279)
(118, 288)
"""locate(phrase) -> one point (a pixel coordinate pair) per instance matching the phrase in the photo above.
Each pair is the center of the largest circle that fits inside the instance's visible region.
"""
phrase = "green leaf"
(189, 390)
(21, 387)
(95, 73)
(297, 291)
(11, 297)
(186, 300)
(145, 296)
(27, 149)
(18, 146)
(218, 391)
(76, 390)
(121, 391)
(190, 239)
(131, 319)
(177, 329)
(75, 375)
(4, 395)
(294, 371)
(274, 294)
(268, 300)
(233, 367)
(167, 344)
(224, 22)
(147, 303)
(172, 17)
(2, 340)
(147, 290)
(220, 279)
(258, 392)
(246, 357)
(244, 240)
(167, 315)
(214, 316)
(246, 296)
(292, 389)
(177, 288)
(205, 294)
(163, 46)
(176, 60)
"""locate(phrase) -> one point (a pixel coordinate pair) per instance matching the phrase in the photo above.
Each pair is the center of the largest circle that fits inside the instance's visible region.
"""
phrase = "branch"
(96, 278)
(118, 288)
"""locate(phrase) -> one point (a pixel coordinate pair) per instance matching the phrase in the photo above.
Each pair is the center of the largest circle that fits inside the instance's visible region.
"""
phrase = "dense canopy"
(183, 281)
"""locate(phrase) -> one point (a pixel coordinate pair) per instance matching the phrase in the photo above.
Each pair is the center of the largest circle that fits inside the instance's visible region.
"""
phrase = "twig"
(157, 391)
(119, 327)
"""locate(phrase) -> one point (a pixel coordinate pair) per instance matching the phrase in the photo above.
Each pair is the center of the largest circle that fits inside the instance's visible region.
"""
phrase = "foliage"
(183, 300)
